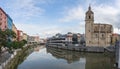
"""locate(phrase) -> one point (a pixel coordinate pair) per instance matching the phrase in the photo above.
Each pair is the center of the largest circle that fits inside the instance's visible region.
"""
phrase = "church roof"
(102, 24)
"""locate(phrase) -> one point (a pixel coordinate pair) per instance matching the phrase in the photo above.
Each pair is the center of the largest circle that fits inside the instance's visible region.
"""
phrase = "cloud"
(106, 14)
(103, 13)
(109, 14)
(47, 31)
(38, 29)
(25, 9)
(24, 13)
(75, 13)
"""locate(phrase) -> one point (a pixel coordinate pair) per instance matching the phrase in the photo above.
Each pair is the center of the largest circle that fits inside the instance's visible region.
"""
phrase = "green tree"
(9, 35)
(24, 41)
(2, 38)
(6, 38)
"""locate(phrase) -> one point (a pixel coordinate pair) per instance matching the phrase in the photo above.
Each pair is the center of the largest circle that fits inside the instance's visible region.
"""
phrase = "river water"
(52, 58)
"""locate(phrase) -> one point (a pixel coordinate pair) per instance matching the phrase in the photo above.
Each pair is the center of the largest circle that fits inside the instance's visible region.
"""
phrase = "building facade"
(69, 37)
(33, 39)
(6, 21)
(115, 37)
(25, 36)
(19, 35)
(97, 34)
(3, 20)
(14, 29)
(9, 22)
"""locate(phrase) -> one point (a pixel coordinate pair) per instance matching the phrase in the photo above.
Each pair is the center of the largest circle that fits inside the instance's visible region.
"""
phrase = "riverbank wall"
(16, 58)
(75, 47)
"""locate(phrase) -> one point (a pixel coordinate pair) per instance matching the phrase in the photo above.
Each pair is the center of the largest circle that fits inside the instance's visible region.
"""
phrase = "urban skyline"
(48, 17)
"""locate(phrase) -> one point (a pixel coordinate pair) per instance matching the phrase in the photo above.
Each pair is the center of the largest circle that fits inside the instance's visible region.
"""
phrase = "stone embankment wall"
(16, 58)
(81, 48)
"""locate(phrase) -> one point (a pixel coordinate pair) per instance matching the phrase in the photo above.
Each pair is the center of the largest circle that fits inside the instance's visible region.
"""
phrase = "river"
(52, 58)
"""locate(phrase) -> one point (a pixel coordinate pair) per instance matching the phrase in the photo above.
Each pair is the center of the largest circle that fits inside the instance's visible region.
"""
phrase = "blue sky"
(48, 17)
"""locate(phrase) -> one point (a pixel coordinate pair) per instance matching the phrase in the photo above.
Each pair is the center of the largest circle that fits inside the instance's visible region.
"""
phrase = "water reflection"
(89, 60)
(52, 58)
(38, 48)
(69, 56)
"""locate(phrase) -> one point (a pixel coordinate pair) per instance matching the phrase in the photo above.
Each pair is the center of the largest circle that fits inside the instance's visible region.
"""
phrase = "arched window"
(89, 17)
(103, 36)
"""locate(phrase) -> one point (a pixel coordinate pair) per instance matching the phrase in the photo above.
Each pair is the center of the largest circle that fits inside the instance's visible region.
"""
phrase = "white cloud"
(108, 14)
(22, 11)
(76, 13)
(25, 9)
(116, 30)
(104, 13)
(48, 31)
(37, 29)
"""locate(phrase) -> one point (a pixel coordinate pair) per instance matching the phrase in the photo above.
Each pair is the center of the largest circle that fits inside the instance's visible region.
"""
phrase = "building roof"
(115, 34)
(102, 24)
(3, 11)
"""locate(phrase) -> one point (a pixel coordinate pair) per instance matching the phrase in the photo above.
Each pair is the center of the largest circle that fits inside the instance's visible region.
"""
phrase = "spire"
(89, 7)
(89, 10)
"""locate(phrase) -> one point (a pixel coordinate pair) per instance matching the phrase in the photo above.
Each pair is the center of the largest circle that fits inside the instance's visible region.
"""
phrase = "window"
(95, 29)
(96, 35)
(5, 26)
(0, 23)
(102, 28)
(89, 30)
(102, 35)
(89, 17)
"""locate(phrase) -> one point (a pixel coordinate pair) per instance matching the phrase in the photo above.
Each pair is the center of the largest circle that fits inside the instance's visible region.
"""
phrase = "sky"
(48, 17)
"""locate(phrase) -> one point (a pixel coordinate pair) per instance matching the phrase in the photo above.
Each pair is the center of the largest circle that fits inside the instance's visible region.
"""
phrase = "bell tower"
(89, 15)
(89, 21)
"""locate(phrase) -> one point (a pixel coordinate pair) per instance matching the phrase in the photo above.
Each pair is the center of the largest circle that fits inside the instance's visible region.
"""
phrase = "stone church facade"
(97, 34)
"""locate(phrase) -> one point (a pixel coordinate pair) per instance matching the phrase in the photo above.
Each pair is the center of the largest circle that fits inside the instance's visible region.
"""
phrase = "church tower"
(89, 21)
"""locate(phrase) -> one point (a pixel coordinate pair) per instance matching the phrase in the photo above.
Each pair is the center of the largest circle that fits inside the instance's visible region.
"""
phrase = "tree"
(6, 38)
(2, 38)
(24, 41)
(9, 35)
